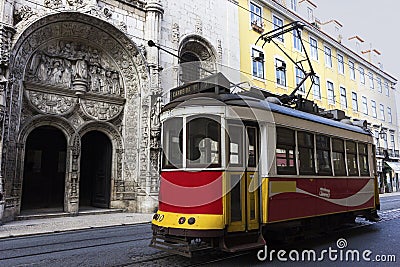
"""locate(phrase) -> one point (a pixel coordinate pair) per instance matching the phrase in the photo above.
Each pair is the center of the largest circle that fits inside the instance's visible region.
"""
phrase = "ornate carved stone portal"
(79, 73)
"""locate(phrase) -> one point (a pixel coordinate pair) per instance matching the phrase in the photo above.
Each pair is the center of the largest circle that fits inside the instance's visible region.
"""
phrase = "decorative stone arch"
(27, 96)
(33, 123)
(198, 58)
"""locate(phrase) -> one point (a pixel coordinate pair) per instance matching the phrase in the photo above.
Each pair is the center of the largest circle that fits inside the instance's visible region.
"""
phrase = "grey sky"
(374, 21)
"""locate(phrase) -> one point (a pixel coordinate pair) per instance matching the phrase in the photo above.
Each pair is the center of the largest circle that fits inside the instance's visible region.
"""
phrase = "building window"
(331, 93)
(392, 143)
(379, 81)
(299, 78)
(362, 77)
(296, 40)
(364, 105)
(293, 5)
(305, 143)
(285, 147)
(352, 70)
(387, 88)
(389, 112)
(340, 64)
(354, 101)
(328, 56)
(324, 155)
(382, 111)
(278, 22)
(280, 67)
(373, 108)
(257, 63)
(317, 88)
(371, 80)
(255, 15)
(343, 98)
(314, 48)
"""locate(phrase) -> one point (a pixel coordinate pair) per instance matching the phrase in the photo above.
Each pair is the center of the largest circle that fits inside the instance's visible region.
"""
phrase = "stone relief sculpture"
(63, 62)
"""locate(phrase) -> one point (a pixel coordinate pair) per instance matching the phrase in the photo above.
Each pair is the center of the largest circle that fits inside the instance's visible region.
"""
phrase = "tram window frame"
(177, 130)
(363, 159)
(196, 136)
(338, 157)
(323, 155)
(352, 159)
(285, 145)
(239, 147)
(252, 155)
(306, 150)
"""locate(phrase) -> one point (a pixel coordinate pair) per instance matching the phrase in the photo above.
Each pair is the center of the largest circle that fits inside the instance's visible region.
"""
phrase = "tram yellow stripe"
(203, 221)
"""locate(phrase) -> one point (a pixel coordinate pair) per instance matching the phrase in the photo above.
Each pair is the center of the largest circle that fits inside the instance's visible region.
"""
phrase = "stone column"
(147, 199)
(6, 33)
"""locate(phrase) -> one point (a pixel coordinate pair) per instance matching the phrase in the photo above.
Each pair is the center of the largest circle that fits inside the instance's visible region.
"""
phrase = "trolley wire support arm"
(269, 37)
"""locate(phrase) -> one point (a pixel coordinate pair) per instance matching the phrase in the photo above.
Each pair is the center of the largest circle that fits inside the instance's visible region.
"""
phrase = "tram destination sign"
(216, 83)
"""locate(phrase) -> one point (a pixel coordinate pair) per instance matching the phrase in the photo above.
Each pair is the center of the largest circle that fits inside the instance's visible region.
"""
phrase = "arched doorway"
(44, 169)
(95, 178)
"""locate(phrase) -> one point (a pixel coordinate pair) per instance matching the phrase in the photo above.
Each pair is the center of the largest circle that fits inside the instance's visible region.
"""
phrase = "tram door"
(242, 179)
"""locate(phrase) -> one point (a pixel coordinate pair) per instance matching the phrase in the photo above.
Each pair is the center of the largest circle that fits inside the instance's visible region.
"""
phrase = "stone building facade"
(81, 90)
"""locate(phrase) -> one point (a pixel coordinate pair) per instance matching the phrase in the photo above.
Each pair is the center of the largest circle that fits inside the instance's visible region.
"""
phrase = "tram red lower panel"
(191, 192)
(299, 198)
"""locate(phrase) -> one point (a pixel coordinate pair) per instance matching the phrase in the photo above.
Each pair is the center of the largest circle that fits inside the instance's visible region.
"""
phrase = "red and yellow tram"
(238, 167)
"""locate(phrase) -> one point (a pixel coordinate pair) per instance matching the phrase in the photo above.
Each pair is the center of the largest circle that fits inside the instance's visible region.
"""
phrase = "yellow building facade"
(348, 78)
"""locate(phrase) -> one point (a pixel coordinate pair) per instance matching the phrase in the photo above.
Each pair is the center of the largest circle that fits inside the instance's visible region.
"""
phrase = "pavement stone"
(61, 224)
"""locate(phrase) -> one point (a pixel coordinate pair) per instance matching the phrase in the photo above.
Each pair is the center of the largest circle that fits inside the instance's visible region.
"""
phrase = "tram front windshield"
(203, 142)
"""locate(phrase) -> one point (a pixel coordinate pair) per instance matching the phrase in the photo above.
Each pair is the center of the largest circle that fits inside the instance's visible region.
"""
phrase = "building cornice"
(326, 38)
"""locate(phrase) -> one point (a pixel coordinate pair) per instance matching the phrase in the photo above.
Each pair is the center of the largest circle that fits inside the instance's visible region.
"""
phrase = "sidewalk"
(389, 194)
(60, 224)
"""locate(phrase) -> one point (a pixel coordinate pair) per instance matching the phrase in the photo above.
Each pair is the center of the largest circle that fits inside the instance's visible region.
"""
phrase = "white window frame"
(314, 49)
(340, 59)
(379, 81)
(330, 92)
(387, 88)
(293, 5)
(343, 97)
(364, 105)
(317, 88)
(362, 74)
(354, 101)
(296, 41)
(328, 57)
(371, 80)
(373, 109)
(352, 70)
(280, 38)
(382, 111)
(259, 50)
(254, 16)
(389, 112)
(276, 73)
(298, 76)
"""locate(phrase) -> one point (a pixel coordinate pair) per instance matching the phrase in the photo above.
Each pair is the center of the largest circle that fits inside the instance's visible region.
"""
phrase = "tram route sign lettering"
(190, 89)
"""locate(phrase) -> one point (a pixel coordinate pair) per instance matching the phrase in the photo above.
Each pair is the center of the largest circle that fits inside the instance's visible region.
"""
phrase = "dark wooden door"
(95, 183)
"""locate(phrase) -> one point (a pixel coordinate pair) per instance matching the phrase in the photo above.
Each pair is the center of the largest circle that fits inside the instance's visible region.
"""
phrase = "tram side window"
(235, 145)
(305, 143)
(338, 157)
(285, 147)
(203, 143)
(172, 143)
(351, 152)
(323, 155)
(363, 155)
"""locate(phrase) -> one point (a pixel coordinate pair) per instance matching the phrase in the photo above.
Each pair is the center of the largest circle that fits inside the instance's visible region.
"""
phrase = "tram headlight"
(191, 220)
(181, 220)
(155, 216)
